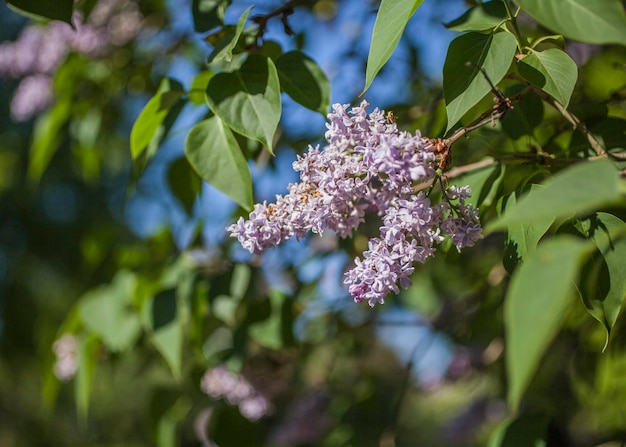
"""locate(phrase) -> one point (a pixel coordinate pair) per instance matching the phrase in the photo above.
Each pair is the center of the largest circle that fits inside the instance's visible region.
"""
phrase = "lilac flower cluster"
(220, 383)
(369, 166)
(39, 50)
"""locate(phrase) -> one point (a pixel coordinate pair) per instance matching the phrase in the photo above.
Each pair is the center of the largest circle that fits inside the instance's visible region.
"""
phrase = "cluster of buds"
(368, 166)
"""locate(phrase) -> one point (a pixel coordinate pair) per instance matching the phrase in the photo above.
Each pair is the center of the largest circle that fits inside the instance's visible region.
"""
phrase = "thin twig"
(576, 123)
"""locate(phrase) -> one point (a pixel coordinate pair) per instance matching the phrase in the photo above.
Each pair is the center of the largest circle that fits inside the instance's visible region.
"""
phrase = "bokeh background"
(76, 214)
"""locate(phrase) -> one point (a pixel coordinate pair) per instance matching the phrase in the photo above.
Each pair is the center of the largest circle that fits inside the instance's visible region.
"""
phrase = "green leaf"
(392, 18)
(574, 191)
(553, 71)
(88, 352)
(539, 295)
(46, 139)
(484, 16)
(105, 312)
(525, 431)
(484, 183)
(197, 94)
(240, 281)
(464, 85)
(148, 130)
(268, 333)
(184, 183)
(598, 21)
(522, 239)
(604, 287)
(524, 117)
(228, 39)
(603, 75)
(303, 80)
(248, 100)
(213, 152)
(208, 14)
(50, 9)
(169, 342)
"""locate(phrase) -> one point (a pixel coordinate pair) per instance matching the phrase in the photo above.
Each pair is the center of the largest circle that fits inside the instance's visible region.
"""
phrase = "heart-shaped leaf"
(213, 152)
(553, 71)
(464, 84)
(248, 100)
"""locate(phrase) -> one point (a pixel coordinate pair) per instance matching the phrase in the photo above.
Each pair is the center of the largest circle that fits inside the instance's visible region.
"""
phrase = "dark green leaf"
(148, 130)
(525, 431)
(46, 139)
(522, 239)
(213, 152)
(604, 287)
(105, 312)
(392, 17)
(524, 117)
(539, 295)
(50, 9)
(303, 80)
(184, 183)
(484, 16)
(248, 100)
(464, 85)
(553, 71)
(208, 14)
(574, 191)
(268, 333)
(598, 21)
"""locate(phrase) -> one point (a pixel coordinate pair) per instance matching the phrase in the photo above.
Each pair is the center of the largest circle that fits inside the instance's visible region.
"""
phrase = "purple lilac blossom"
(39, 50)
(369, 165)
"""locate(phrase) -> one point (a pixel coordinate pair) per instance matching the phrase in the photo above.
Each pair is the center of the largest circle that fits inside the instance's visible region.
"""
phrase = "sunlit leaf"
(50, 9)
(464, 84)
(484, 16)
(553, 71)
(228, 41)
(598, 21)
(213, 152)
(197, 94)
(391, 20)
(539, 295)
(303, 80)
(573, 191)
(148, 130)
(248, 100)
